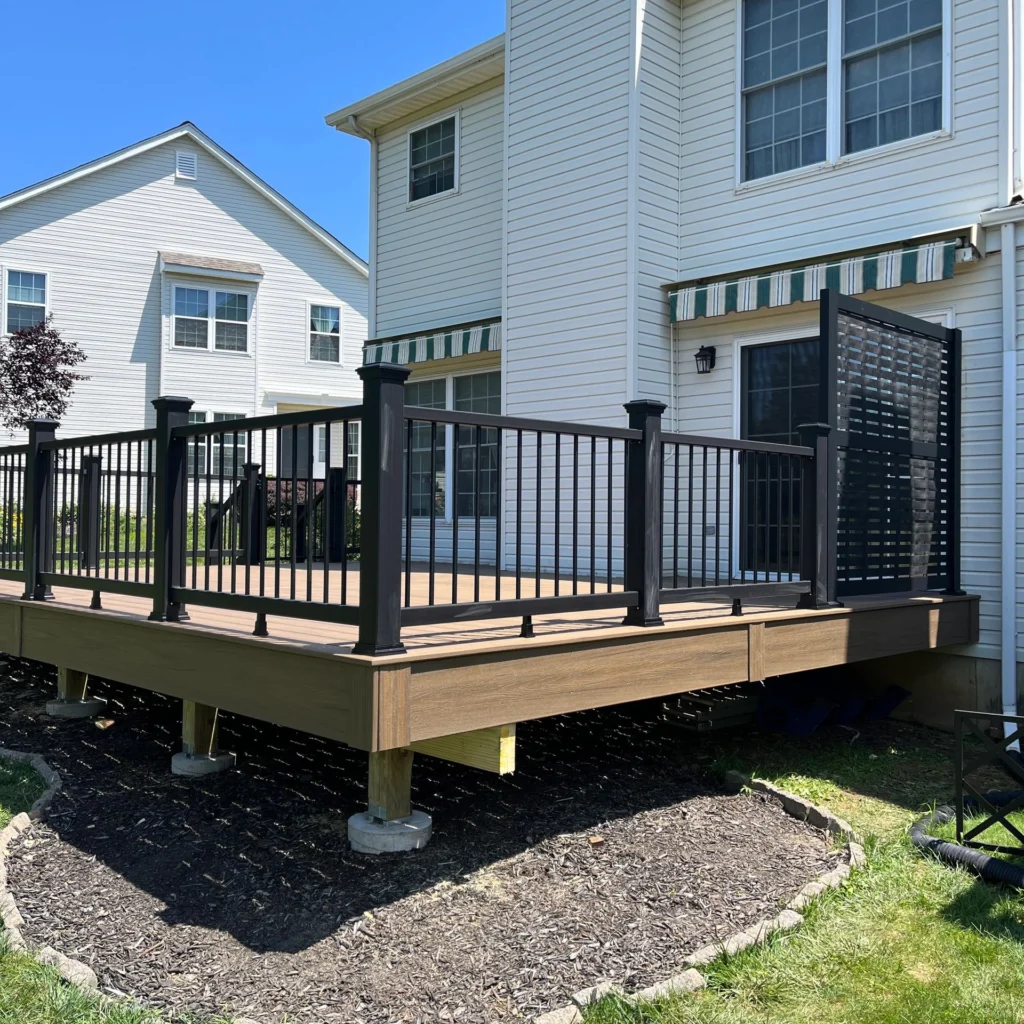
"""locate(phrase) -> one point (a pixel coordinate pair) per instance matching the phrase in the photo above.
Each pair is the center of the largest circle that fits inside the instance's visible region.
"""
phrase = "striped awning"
(444, 343)
(933, 261)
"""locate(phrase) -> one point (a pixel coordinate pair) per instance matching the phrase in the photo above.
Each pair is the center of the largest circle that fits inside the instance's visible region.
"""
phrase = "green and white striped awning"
(444, 343)
(933, 261)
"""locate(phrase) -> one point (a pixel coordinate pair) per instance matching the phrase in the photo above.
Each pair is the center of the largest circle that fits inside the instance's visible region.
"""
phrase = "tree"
(37, 374)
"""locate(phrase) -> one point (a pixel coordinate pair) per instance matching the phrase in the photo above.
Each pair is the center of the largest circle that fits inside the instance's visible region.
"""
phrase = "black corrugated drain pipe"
(990, 868)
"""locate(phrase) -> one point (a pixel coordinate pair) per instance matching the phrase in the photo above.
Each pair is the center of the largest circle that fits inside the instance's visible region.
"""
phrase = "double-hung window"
(324, 334)
(892, 71)
(194, 314)
(227, 451)
(785, 71)
(471, 453)
(432, 159)
(888, 63)
(427, 488)
(26, 300)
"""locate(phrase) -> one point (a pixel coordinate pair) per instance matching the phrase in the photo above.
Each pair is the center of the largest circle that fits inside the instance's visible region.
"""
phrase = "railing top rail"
(733, 444)
(98, 440)
(475, 419)
(285, 419)
(14, 449)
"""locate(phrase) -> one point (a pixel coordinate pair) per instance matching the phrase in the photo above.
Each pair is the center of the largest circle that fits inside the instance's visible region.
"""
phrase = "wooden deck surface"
(416, 638)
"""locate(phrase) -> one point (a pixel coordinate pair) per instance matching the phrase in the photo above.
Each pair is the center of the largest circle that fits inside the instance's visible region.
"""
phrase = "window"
(892, 71)
(192, 319)
(784, 77)
(227, 452)
(228, 449)
(26, 300)
(432, 160)
(890, 64)
(480, 392)
(351, 447)
(427, 394)
(232, 313)
(325, 334)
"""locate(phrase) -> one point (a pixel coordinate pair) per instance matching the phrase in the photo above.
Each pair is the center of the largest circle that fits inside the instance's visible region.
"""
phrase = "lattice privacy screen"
(894, 423)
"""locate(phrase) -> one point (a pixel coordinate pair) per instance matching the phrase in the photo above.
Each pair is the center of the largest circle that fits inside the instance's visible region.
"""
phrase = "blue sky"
(257, 77)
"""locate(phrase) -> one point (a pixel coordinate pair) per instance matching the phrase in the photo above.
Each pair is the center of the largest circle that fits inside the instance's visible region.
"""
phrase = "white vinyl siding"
(931, 183)
(566, 306)
(99, 237)
(705, 404)
(439, 262)
(657, 193)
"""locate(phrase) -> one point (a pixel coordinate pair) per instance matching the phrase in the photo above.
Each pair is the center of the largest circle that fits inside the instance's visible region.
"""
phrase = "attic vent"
(185, 165)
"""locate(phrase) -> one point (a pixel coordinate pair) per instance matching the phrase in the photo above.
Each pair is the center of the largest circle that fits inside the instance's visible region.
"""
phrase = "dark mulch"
(238, 893)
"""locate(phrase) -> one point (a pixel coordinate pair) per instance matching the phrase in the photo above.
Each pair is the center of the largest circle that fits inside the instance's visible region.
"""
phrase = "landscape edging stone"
(691, 980)
(71, 970)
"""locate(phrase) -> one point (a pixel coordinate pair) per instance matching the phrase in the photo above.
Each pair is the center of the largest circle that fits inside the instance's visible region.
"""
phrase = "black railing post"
(169, 525)
(380, 561)
(953, 541)
(818, 518)
(252, 543)
(38, 509)
(643, 512)
(89, 511)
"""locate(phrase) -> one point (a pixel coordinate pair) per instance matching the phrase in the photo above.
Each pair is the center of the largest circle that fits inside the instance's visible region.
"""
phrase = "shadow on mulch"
(277, 826)
(240, 890)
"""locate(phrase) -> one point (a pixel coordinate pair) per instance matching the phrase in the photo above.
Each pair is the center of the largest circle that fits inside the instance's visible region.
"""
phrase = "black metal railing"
(100, 516)
(12, 512)
(451, 515)
(507, 516)
(733, 518)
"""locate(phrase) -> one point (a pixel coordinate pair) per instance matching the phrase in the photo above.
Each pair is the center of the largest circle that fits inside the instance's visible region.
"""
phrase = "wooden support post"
(71, 684)
(198, 729)
(389, 791)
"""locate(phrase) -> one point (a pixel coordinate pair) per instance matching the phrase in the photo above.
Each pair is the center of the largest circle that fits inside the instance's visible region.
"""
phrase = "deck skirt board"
(461, 677)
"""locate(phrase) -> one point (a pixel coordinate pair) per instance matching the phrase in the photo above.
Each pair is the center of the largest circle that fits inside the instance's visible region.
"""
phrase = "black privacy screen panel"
(894, 421)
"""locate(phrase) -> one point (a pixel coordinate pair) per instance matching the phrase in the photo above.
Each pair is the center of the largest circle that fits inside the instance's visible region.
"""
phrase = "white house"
(178, 271)
(563, 216)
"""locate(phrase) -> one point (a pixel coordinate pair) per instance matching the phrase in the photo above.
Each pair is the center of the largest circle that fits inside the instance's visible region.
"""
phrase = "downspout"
(371, 284)
(1008, 473)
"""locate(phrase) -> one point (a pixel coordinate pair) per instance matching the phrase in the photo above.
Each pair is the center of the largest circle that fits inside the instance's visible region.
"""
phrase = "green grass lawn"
(907, 940)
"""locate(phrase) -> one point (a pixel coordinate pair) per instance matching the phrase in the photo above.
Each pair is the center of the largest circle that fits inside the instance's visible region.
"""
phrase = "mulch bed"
(609, 854)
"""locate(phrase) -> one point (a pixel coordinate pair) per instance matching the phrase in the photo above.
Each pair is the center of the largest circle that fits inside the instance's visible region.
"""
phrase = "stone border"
(691, 980)
(73, 971)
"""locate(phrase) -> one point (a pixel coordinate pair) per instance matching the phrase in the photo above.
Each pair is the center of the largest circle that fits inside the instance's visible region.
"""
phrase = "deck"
(458, 677)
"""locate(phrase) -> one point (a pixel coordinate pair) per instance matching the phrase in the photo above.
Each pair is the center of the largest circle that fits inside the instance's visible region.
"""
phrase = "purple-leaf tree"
(37, 373)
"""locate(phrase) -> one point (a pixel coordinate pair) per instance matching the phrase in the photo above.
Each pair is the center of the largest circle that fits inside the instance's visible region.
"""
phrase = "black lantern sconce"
(705, 358)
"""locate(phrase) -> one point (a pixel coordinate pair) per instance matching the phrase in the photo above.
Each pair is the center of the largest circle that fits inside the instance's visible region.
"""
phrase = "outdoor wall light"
(705, 358)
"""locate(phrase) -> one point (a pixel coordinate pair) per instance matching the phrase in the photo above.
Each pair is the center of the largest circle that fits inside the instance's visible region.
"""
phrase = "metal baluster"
(519, 514)
(455, 514)
(499, 500)
(408, 512)
(477, 494)
(432, 505)
(718, 515)
(611, 463)
(593, 513)
(575, 511)
(536, 553)
(689, 518)
(558, 509)
(294, 521)
(310, 512)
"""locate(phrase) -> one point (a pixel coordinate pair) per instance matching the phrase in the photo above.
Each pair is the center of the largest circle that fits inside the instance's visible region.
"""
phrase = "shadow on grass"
(989, 910)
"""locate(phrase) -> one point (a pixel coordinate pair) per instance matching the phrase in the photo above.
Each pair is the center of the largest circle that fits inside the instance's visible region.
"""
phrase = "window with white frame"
(889, 61)
(432, 159)
(349, 457)
(26, 300)
(194, 315)
(325, 334)
(227, 451)
(471, 453)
